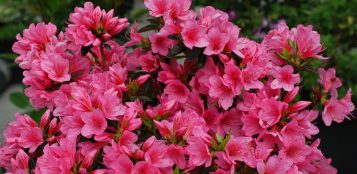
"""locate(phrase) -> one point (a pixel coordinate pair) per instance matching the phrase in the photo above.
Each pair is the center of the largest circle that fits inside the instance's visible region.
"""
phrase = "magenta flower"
(194, 35)
(191, 96)
(284, 78)
(221, 91)
(329, 80)
(161, 44)
(94, 123)
(216, 41)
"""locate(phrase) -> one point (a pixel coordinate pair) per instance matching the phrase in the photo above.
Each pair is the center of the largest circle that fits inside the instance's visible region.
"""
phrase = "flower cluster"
(191, 96)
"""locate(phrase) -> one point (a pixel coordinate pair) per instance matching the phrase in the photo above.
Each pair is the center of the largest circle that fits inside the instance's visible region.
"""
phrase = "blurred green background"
(335, 20)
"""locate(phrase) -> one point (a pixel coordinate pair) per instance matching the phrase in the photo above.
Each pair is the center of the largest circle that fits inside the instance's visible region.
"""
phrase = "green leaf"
(36, 115)
(148, 28)
(8, 56)
(19, 99)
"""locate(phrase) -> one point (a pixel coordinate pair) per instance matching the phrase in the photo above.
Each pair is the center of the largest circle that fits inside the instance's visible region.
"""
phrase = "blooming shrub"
(192, 97)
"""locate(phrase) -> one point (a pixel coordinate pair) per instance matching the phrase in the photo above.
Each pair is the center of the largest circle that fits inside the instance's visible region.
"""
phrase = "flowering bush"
(192, 97)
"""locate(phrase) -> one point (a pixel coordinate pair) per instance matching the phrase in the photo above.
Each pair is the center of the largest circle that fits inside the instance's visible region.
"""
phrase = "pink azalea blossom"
(337, 110)
(161, 44)
(94, 123)
(198, 152)
(192, 96)
(57, 68)
(158, 7)
(272, 111)
(177, 91)
(31, 138)
(284, 78)
(308, 42)
(274, 165)
(148, 62)
(194, 35)
(216, 41)
(222, 91)
(329, 80)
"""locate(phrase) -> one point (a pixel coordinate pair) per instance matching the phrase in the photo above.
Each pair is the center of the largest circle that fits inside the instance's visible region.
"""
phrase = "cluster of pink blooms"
(192, 97)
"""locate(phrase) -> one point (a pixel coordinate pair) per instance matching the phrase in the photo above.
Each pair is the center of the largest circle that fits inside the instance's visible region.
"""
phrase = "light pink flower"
(31, 138)
(111, 105)
(158, 7)
(284, 78)
(251, 124)
(294, 150)
(94, 123)
(198, 152)
(240, 149)
(274, 165)
(221, 91)
(272, 111)
(194, 35)
(308, 42)
(56, 67)
(33, 41)
(329, 80)
(161, 44)
(57, 158)
(337, 110)
(216, 41)
(233, 76)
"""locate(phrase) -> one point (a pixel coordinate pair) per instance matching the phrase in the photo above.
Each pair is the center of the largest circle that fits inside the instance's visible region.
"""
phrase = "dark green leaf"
(19, 99)
(8, 56)
(148, 28)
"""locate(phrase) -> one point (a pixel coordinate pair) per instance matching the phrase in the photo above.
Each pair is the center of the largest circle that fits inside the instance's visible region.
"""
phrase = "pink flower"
(94, 123)
(148, 62)
(194, 35)
(158, 7)
(198, 152)
(304, 120)
(177, 154)
(56, 67)
(221, 91)
(240, 149)
(177, 91)
(81, 99)
(33, 41)
(57, 158)
(155, 154)
(294, 150)
(308, 42)
(329, 80)
(118, 75)
(277, 39)
(284, 78)
(216, 41)
(31, 138)
(161, 44)
(229, 123)
(88, 25)
(251, 125)
(121, 164)
(337, 110)
(274, 165)
(272, 111)
(111, 105)
(145, 168)
(233, 76)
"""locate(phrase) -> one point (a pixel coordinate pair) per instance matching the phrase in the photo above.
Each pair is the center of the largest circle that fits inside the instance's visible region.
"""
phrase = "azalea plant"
(188, 96)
